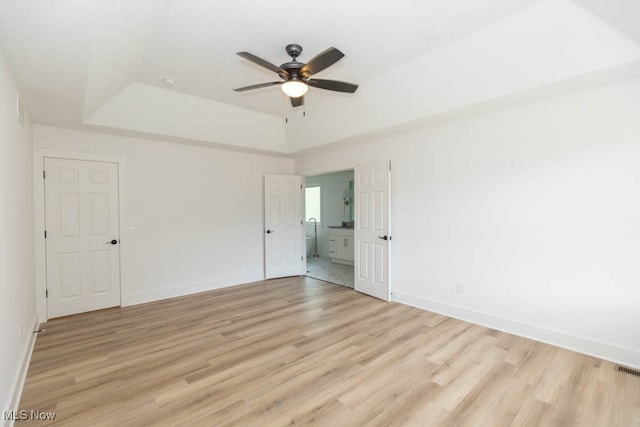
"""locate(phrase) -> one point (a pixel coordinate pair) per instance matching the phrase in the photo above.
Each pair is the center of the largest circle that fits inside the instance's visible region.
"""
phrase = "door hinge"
(44, 175)
(46, 293)
(301, 258)
(389, 165)
(45, 234)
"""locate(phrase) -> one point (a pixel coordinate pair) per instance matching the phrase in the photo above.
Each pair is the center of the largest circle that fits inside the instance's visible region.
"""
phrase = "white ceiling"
(100, 63)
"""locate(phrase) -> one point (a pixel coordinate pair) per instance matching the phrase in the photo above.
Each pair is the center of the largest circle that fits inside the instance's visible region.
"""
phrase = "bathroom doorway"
(329, 227)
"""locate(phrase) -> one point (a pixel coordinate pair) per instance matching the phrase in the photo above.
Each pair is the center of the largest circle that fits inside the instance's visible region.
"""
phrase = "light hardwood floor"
(299, 351)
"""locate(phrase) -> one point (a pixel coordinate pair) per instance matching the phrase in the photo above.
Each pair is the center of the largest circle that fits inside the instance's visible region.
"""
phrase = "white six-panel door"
(82, 240)
(372, 234)
(284, 232)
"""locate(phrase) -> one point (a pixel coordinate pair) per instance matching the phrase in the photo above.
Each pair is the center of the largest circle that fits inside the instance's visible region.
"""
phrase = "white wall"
(535, 209)
(200, 212)
(333, 187)
(17, 283)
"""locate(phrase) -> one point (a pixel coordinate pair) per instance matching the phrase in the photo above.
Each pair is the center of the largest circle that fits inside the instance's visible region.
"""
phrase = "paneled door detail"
(372, 232)
(82, 236)
(284, 230)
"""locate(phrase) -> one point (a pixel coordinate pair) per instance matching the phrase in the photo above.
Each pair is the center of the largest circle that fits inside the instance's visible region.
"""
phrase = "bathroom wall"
(334, 187)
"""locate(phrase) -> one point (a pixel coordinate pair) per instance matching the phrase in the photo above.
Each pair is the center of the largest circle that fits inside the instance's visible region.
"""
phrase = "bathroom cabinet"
(341, 246)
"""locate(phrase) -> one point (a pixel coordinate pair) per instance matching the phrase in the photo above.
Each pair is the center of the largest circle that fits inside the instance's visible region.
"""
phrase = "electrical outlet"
(460, 288)
(20, 331)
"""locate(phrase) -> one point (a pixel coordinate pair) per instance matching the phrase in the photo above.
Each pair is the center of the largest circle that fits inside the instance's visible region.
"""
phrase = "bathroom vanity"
(341, 245)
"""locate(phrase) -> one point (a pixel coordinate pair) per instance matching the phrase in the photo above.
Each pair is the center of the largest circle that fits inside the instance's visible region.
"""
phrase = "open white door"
(372, 234)
(284, 229)
(82, 236)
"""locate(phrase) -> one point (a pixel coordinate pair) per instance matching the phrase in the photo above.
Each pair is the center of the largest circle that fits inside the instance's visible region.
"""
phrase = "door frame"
(341, 168)
(39, 218)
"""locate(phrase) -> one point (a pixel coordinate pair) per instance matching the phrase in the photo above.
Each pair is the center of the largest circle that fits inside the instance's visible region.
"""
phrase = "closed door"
(82, 236)
(372, 232)
(284, 233)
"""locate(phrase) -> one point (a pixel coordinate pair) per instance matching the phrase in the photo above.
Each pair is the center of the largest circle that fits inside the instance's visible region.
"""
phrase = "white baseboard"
(178, 291)
(602, 350)
(15, 392)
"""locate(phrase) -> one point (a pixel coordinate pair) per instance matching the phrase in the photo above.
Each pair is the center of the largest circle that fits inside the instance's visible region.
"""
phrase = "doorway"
(329, 227)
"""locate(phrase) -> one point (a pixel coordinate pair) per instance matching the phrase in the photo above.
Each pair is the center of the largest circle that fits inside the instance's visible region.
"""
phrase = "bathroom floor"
(322, 268)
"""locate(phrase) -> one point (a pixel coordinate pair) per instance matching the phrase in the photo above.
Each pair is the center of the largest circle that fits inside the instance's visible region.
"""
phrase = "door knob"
(383, 237)
(112, 242)
(269, 231)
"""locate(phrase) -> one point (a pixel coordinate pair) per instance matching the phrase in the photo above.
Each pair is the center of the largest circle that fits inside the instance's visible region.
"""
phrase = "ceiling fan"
(297, 75)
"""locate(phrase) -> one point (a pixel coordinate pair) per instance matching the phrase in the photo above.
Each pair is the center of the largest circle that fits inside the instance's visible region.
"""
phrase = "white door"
(284, 243)
(82, 236)
(372, 234)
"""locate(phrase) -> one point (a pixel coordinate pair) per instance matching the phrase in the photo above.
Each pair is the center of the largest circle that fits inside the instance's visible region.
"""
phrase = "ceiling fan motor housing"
(291, 70)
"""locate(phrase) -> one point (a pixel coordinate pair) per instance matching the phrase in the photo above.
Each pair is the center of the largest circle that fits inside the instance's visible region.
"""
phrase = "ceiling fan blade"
(321, 61)
(297, 102)
(261, 62)
(334, 85)
(258, 86)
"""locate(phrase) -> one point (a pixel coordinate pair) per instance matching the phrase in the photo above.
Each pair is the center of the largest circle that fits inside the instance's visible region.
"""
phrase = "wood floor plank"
(299, 351)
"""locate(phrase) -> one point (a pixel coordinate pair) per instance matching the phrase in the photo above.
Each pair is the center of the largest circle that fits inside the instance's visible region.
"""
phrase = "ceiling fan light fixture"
(294, 88)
